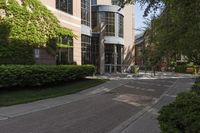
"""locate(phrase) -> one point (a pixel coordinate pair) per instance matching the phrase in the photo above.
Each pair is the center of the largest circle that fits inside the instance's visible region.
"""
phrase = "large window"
(85, 12)
(117, 2)
(95, 25)
(94, 2)
(121, 26)
(95, 49)
(65, 55)
(109, 54)
(65, 5)
(109, 20)
(86, 49)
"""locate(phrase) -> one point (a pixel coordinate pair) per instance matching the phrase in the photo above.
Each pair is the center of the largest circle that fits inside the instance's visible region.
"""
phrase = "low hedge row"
(181, 69)
(34, 75)
(183, 115)
(186, 69)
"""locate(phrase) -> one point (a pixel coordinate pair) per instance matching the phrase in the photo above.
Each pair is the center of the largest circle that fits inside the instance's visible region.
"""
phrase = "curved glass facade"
(85, 12)
(95, 23)
(109, 20)
(108, 34)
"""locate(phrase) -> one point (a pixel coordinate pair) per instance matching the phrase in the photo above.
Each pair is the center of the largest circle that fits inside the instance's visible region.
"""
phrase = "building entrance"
(113, 58)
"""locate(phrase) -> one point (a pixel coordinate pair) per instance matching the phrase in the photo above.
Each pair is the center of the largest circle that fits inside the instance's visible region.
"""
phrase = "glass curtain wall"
(85, 12)
(65, 6)
(110, 55)
(121, 26)
(95, 24)
(86, 49)
(109, 19)
(95, 51)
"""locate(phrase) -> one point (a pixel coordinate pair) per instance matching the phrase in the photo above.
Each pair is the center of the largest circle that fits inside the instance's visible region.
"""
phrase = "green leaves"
(30, 22)
(34, 75)
(17, 53)
(177, 31)
(181, 116)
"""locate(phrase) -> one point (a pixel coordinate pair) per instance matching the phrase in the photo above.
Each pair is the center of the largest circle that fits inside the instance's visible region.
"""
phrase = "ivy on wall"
(26, 23)
(30, 22)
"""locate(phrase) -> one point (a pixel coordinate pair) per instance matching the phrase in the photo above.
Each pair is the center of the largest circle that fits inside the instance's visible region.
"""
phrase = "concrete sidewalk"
(143, 75)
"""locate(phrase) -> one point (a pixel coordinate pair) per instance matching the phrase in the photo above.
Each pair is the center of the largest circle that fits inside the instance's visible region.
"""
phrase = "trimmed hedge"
(34, 75)
(16, 54)
(186, 69)
(183, 115)
(181, 69)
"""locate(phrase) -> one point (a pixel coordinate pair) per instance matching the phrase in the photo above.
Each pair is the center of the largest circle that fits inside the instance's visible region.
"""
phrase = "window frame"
(68, 6)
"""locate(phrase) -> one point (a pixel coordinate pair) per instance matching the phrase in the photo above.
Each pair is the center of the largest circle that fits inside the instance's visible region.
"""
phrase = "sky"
(139, 19)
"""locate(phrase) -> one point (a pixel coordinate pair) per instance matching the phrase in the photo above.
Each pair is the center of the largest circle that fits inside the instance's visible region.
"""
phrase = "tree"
(177, 29)
(28, 21)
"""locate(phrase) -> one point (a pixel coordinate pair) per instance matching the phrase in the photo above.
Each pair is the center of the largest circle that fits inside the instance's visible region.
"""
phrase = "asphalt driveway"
(130, 107)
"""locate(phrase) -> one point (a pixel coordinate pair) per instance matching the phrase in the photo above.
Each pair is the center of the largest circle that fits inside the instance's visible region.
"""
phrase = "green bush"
(181, 69)
(33, 75)
(16, 54)
(196, 86)
(183, 115)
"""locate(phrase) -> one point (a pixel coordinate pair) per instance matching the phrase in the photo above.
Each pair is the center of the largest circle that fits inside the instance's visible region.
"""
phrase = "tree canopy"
(176, 30)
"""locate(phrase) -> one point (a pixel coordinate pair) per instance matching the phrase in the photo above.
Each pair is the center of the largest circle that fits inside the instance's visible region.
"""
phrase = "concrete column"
(115, 58)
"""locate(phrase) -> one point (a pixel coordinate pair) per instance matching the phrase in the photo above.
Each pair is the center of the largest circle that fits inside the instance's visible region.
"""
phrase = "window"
(109, 20)
(95, 25)
(85, 12)
(95, 49)
(94, 2)
(121, 26)
(37, 53)
(119, 54)
(109, 54)
(65, 55)
(86, 49)
(65, 6)
(117, 2)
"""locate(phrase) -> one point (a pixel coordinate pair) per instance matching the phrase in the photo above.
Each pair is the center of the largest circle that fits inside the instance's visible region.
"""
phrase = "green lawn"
(13, 96)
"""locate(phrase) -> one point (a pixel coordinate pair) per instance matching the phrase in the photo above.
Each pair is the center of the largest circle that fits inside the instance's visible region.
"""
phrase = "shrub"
(183, 115)
(181, 69)
(186, 69)
(196, 86)
(33, 75)
(16, 54)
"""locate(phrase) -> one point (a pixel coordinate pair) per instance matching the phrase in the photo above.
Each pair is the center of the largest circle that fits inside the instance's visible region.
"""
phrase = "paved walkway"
(124, 105)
